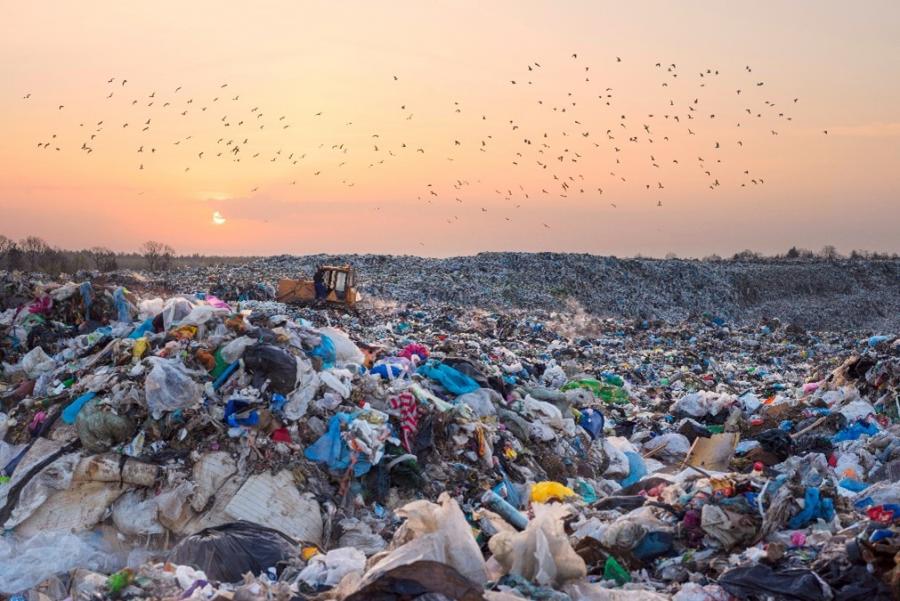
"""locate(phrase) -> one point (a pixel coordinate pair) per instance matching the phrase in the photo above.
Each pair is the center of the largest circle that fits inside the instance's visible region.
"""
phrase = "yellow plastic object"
(550, 491)
(140, 348)
(308, 553)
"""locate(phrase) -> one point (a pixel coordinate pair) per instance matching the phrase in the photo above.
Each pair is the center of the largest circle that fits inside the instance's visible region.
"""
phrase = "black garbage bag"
(414, 580)
(267, 362)
(225, 553)
(761, 581)
(775, 441)
(854, 583)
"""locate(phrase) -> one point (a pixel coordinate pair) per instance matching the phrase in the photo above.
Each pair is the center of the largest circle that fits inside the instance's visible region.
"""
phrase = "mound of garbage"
(217, 445)
(811, 293)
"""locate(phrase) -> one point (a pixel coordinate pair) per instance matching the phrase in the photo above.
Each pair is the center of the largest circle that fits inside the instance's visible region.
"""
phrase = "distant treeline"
(35, 254)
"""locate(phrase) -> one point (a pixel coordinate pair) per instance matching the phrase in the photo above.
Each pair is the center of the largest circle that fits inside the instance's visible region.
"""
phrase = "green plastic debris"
(614, 571)
(118, 581)
(609, 393)
(614, 379)
(716, 429)
(221, 365)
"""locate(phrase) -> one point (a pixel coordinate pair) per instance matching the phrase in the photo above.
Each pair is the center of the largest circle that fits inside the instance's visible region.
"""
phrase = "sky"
(397, 128)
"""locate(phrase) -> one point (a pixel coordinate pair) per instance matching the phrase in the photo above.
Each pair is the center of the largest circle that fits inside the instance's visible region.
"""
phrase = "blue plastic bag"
(325, 351)
(853, 485)
(236, 406)
(87, 297)
(70, 413)
(813, 508)
(592, 421)
(332, 450)
(855, 430)
(122, 311)
(145, 327)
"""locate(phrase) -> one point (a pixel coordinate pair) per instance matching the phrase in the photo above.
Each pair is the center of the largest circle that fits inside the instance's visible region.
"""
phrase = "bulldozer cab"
(339, 283)
(333, 285)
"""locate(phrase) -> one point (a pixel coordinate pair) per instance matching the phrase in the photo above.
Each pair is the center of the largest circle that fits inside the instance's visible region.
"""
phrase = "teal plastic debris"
(450, 378)
(636, 469)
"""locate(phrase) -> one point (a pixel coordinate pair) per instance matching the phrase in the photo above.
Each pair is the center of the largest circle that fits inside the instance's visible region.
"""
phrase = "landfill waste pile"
(217, 444)
(815, 294)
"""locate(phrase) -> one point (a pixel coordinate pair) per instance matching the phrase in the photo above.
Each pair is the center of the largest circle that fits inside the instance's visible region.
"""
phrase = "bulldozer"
(332, 286)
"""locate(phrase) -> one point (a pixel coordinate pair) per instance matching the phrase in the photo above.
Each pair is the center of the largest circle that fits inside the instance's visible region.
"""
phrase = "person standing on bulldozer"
(319, 283)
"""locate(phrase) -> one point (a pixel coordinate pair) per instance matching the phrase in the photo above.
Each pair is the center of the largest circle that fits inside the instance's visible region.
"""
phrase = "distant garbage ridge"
(815, 294)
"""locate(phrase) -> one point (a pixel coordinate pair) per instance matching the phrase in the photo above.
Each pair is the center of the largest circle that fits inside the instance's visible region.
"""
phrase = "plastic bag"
(482, 401)
(123, 307)
(762, 581)
(174, 310)
(227, 552)
(345, 350)
(330, 568)
(324, 351)
(672, 446)
(637, 469)
(541, 553)
(99, 430)
(135, 515)
(442, 534)
(543, 492)
(268, 362)
(338, 380)
(233, 351)
(169, 386)
(331, 448)
(36, 362)
(150, 308)
(308, 383)
(452, 379)
(25, 563)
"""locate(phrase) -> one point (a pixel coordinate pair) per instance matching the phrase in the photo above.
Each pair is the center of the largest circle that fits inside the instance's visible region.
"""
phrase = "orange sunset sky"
(424, 144)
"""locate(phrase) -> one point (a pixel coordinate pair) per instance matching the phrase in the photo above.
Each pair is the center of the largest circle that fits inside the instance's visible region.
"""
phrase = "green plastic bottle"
(614, 571)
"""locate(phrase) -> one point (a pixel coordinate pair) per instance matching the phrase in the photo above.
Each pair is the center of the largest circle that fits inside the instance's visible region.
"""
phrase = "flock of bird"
(581, 142)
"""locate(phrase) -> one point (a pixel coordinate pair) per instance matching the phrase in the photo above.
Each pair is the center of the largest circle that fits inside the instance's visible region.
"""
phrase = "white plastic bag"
(330, 568)
(25, 563)
(169, 386)
(338, 380)
(150, 307)
(440, 533)
(482, 401)
(36, 362)
(134, 515)
(542, 552)
(345, 350)
(232, 351)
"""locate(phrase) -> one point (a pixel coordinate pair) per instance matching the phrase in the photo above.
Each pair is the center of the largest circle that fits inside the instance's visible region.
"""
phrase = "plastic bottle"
(509, 513)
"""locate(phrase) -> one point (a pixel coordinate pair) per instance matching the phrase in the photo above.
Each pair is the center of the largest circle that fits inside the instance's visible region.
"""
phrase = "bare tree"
(830, 253)
(34, 250)
(157, 255)
(103, 259)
